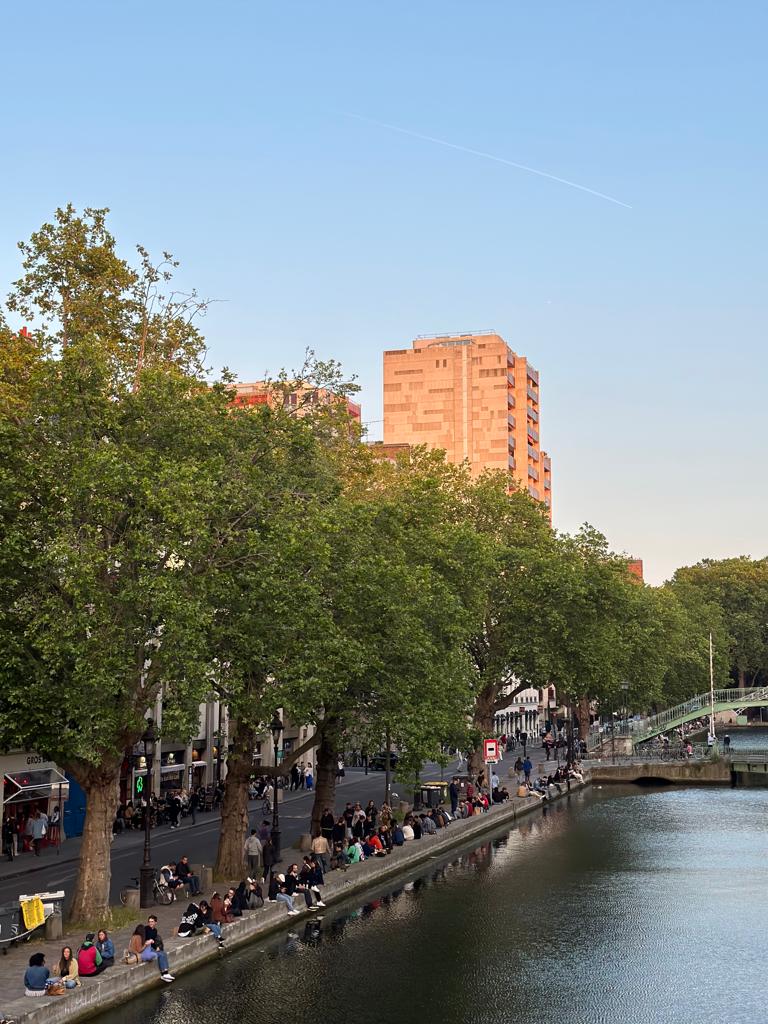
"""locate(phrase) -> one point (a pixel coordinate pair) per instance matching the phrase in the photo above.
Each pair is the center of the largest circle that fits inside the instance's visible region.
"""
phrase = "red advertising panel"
(491, 751)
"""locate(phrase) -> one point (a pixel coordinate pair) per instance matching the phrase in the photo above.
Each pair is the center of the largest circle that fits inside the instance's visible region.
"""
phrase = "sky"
(285, 153)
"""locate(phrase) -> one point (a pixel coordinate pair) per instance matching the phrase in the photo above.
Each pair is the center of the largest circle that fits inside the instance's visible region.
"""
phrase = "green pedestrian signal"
(139, 784)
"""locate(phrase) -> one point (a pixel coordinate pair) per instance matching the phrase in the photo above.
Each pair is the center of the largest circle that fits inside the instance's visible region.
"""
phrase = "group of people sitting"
(95, 955)
(553, 785)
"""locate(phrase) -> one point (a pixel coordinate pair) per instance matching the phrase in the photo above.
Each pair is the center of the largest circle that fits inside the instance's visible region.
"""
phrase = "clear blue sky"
(219, 131)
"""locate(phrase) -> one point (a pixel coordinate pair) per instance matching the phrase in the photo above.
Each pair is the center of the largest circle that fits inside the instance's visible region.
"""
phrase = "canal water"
(622, 904)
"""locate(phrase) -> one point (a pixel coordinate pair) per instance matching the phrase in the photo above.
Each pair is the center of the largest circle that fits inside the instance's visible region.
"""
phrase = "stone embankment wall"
(705, 773)
(121, 982)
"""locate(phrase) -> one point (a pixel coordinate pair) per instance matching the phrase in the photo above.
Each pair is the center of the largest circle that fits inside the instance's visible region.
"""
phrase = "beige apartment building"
(473, 396)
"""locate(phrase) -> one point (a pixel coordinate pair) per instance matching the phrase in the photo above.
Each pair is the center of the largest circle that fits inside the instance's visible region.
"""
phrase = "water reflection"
(623, 905)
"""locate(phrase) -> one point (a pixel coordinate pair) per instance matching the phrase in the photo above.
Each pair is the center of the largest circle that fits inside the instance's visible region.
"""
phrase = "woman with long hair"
(67, 969)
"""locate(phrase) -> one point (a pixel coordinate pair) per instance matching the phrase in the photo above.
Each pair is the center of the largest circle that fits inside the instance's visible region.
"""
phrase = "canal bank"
(121, 983)
(621, 904)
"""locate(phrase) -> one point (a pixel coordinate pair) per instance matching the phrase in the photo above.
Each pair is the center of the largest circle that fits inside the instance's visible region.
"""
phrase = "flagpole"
(711, 690)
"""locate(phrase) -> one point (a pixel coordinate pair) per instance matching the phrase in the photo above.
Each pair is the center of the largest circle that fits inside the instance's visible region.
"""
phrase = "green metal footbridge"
(645, 729)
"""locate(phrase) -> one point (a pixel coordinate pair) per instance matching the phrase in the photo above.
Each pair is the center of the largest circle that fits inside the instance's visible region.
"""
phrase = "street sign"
(491, 751)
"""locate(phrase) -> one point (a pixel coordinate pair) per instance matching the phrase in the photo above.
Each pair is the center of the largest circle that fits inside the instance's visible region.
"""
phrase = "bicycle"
(162, 894)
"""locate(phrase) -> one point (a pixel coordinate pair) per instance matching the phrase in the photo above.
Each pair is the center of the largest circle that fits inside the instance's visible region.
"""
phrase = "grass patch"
(121, 918)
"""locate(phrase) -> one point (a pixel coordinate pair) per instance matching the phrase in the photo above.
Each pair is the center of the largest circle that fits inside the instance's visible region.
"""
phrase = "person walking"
(268, 859)
(253, 851)
(527, 769)
(321, 851)
(39, 830)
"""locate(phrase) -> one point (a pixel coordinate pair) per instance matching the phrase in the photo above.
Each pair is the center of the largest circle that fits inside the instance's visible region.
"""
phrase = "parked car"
(378, 762)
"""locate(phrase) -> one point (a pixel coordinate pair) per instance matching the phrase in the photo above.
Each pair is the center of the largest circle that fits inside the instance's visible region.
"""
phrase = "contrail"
(488, 156)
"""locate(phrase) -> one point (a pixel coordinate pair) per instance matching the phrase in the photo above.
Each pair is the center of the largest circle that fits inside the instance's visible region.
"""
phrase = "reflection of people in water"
(313, 933)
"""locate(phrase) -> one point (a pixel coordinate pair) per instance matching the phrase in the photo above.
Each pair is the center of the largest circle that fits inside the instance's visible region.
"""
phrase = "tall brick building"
(473, 396)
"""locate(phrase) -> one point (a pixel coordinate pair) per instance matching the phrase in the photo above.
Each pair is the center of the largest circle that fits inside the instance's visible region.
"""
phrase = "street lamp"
(625, 687)
(146, 872)
(276, 729)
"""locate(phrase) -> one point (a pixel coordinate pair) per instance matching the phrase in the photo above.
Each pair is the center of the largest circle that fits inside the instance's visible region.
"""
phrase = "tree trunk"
(325, 777)
(90, 900)
(742, 679)
(482, 722)
(583, 715)
(230, 857)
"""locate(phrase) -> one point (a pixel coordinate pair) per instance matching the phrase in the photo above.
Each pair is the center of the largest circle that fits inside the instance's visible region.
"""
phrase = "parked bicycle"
(161, 893)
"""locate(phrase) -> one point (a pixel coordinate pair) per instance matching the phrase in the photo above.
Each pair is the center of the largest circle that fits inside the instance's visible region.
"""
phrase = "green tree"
(106, 526)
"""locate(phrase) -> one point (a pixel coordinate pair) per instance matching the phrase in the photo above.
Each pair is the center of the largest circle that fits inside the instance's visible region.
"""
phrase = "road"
(198, 842)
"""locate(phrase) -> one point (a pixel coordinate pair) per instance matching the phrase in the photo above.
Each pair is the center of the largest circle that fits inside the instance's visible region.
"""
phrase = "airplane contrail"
(488, 156)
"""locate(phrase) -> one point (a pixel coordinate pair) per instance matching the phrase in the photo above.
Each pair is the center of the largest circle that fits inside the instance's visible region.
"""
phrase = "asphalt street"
(50, 871)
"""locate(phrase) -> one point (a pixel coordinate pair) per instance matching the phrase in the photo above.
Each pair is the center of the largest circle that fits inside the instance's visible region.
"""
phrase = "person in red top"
(89, 960)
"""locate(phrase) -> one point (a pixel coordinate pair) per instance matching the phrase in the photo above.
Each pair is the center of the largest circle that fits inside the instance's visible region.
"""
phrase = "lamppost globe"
(276, 729)
(146, 872)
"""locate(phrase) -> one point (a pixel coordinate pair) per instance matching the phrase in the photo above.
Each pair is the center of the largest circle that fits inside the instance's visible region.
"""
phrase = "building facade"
(471, 395)
(301, 399)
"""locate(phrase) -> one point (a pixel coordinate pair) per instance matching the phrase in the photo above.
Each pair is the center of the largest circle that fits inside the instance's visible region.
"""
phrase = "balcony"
(533, 395)
(510, 380)
(511, 443)
(533, 454)
(510, 421)
(547, 484)
(533, 414)
(533, 433)
(533, 491)
(511, 462)
(510, 400)
(533, 374)
(533, 473)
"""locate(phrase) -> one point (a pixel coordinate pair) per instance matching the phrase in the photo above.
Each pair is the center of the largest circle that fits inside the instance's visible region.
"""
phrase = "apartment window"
(399, 373)
(445, 362)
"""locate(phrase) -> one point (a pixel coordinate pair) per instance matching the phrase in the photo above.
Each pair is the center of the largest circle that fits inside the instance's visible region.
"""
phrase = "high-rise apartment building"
(473, 396)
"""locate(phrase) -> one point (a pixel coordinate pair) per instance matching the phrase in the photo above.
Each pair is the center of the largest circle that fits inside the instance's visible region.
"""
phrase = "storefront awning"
(35, 784)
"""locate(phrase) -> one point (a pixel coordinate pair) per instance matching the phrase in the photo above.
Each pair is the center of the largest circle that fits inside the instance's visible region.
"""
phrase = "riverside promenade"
(122, 982)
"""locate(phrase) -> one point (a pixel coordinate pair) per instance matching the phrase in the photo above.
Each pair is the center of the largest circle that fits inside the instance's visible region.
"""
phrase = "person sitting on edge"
(241, 898)
(169, 877)
(209, 925)
(184, 871)
(66, 968)
(369, 850)
(407, 829)
(416, 826)
(310, 880)
(355, 853)
(145, 950)
(36, 976)
(106, 948)
(89, 960)
(284, 893)
(191, 922)
(398, 836)
(219, 914)
(428, 826)
(339, 857)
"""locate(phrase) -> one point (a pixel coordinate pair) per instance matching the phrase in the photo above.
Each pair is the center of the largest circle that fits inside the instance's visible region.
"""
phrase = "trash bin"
(432, 794)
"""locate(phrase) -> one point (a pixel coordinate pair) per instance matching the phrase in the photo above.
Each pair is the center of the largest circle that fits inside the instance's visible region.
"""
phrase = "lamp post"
(276, 729)
(625, 687)
(146, 872)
